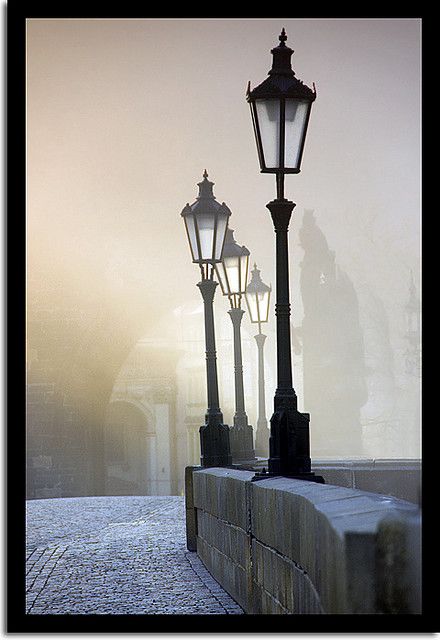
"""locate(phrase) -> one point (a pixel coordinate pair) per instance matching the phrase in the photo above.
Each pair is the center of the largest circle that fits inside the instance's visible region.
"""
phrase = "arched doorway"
(129, 444)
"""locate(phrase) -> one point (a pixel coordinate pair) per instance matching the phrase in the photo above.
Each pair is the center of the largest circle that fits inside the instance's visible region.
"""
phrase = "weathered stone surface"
(225, 537)
(284, 581)
(361, 585)
(341, 477)
(405, 485)
(400, 478)
(190, 512)
(398, 556)
(223, 493)
(232, 577)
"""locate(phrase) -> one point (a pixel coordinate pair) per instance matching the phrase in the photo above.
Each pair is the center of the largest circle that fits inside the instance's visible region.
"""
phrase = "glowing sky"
(124, 115)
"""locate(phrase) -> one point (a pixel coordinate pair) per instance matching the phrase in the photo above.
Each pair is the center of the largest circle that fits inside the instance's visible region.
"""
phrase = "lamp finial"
(205, 174)
(282, 38)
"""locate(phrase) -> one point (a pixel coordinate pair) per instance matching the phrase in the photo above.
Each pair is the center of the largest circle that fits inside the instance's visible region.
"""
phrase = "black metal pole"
(262, 435)
(241, 435)
(289, 447)
(214, 435)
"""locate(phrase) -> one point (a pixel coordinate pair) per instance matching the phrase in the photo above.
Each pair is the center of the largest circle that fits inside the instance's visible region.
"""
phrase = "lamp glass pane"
(296, 116)
(190, 228)
(222, 222)
(244, 261)
(251, 301)
(232, 268)
(263, 304)
(220, 269)
(268, 112)
(206, 224)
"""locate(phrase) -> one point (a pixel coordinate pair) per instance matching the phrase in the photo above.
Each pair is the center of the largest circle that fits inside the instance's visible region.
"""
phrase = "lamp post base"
(214, 445)
(241, 439)
(262, 439)
(289, 446)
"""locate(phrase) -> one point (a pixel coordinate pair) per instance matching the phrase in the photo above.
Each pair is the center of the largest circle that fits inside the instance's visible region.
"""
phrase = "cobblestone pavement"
(116, 555)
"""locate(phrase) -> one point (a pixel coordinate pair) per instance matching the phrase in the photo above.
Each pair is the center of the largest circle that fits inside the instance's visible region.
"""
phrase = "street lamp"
(280, 108)
(206, 221)
(232, 273)
(258, 300)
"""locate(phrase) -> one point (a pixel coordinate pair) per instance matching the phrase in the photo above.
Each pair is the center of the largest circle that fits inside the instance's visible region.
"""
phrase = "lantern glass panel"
(190, 228)
(244, 262)
(268, 112)
(251, 301)
(221, 274)
(222, 223)
(258, 305)
(296, 117)
(232, 268)
(206, 226)
(263, 305)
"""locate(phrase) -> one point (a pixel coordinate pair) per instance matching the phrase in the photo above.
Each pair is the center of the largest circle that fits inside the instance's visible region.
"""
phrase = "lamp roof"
(281, 81)
(206, 202)
(231, 247)
(256, 285)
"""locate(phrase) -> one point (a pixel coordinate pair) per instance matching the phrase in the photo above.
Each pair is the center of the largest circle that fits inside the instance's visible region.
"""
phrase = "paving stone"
(116, 555)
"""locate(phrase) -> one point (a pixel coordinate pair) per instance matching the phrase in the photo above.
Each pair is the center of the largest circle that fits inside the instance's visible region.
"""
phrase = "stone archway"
(129, 450)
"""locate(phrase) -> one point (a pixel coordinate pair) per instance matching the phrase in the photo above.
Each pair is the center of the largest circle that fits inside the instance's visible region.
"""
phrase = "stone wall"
(286, 546)
(401, 478)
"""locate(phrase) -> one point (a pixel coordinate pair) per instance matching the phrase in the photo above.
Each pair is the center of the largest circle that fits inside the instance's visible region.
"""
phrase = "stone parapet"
(400, 478)
(288, 546)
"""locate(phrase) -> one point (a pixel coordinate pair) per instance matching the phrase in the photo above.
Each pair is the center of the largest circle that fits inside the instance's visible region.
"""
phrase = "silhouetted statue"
(333, 350)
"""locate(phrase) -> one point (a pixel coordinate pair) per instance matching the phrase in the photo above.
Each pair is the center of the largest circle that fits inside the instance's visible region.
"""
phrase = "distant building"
(110, 413)
(55, 440)
(140, 440)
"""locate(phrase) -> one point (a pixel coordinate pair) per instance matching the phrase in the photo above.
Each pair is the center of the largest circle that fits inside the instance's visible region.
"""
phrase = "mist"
(123, 117)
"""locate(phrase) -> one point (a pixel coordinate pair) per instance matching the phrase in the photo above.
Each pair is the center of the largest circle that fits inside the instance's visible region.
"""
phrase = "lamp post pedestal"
(241, 434)
(214, 435)
(289, 446)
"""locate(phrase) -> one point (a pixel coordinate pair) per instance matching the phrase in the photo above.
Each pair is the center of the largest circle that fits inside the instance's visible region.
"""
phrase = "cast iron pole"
(241, 433)
(214, 435)
(262, 435)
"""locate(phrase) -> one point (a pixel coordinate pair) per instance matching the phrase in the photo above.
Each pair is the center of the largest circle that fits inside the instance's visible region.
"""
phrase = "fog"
(123, 117)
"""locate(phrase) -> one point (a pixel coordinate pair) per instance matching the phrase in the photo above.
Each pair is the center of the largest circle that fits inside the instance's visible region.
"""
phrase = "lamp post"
(206, 221)
(258, 300)
(280, 108)
(232, 273)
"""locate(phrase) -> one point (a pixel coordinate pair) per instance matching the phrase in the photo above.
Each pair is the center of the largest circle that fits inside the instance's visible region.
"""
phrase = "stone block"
(270, 605)
(223, 493)
(341, 477)
(398, 564)
(360, 572)
(256, 602)
(404, 483)
(287, 583)
(190, 512)
(228, 539)
(232, 577)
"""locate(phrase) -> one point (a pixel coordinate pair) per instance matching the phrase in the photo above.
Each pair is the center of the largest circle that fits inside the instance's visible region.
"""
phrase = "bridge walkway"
(116, 555)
